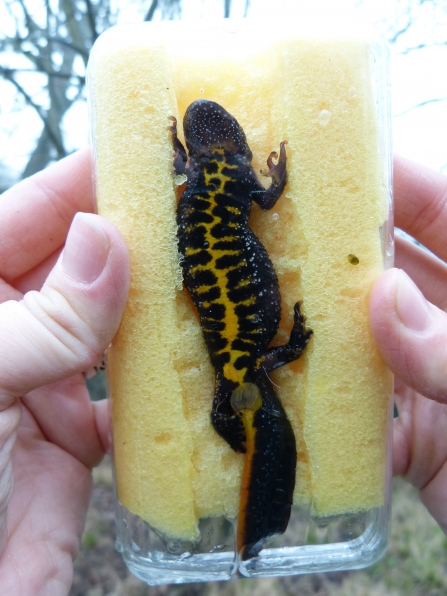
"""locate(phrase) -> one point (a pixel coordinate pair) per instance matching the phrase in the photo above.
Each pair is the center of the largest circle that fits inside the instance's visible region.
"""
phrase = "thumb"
(410, 333)
(65, 328)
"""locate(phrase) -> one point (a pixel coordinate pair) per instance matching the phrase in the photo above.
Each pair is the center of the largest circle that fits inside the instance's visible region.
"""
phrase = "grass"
(89, 540)
(416, 562)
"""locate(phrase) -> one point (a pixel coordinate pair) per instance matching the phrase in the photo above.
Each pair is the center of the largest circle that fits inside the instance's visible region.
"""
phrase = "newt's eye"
(353, 259)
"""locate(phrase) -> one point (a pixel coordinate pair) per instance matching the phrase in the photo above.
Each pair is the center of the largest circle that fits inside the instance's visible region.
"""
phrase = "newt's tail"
(269, 470)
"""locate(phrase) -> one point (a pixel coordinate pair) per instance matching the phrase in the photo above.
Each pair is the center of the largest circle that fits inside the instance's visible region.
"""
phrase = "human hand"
(410, 329)
(51, 435)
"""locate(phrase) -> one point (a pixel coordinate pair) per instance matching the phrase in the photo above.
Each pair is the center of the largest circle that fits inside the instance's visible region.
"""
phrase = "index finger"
(35, 215)
(420, 196)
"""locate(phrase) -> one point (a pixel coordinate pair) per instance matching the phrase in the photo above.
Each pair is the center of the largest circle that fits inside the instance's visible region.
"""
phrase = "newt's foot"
(173, 128)
(180, 155)
(277, 172)
(231, 429)
(250, 551)
(299, 336)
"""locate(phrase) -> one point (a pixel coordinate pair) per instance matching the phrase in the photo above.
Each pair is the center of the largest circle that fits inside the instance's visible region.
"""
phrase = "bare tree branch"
(69, 44)
(420, 105)
(16, 44)
(65, 30)
(71, 76)
(150, 13)
(52, 35)
(40, 157)
(40, 111)
(422, 46)
(8, 8)
(30, 23)
(76, 28)
(402, 30)
(91, 20)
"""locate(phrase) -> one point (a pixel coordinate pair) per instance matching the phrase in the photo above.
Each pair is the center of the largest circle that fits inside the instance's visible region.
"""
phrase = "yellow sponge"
(323, 237)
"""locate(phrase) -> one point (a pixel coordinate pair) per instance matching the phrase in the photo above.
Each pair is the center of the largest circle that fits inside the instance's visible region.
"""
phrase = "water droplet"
(179, 179)
(186, 555)
(323, 117)
(390, 247)
(275, 216)
(218, 548)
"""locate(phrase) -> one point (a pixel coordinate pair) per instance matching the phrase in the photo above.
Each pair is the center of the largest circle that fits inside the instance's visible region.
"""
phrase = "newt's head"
(207, 126)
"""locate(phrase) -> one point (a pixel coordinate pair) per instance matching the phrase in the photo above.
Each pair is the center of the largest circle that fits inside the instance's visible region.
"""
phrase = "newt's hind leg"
(299, 338)
(226, 422)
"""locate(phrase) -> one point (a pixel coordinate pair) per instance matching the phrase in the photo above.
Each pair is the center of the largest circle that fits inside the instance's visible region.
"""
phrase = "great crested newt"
(234, 287)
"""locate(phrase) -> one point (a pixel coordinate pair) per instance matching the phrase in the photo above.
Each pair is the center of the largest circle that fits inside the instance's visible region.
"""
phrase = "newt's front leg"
(267, 198)
(180, 156)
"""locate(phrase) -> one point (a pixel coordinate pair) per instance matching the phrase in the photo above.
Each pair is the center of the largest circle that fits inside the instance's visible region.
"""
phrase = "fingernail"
(86, 249)
(412, 308)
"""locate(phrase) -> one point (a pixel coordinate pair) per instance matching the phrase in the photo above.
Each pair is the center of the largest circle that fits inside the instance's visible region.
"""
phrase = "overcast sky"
(417, 76)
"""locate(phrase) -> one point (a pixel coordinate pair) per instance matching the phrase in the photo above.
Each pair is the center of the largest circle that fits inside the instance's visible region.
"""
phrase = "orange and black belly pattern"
(234, 287)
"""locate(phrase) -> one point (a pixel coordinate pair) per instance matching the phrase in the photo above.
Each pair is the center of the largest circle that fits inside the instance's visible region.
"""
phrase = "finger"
(35, 215)
(402, 449)
(66, 327)
(410, 334)
(419, 448)
(434, 497)
(35, 278)
(45, 516)
(102, 419)
(425, 269)
(66, 417)
(420, 196)
(9, 421)
(418, 454)
(7, 292)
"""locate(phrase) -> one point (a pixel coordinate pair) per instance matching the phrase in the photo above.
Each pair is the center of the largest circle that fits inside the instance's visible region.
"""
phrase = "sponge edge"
(171, 467)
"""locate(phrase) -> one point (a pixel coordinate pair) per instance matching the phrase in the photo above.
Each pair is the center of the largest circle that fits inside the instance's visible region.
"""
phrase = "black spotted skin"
(234, 287)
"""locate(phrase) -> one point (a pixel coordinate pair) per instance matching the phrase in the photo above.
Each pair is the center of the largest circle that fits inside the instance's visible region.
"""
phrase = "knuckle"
(65, 330)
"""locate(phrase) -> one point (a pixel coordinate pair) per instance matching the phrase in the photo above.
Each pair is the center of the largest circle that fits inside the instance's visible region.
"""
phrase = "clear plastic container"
(329, 236)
